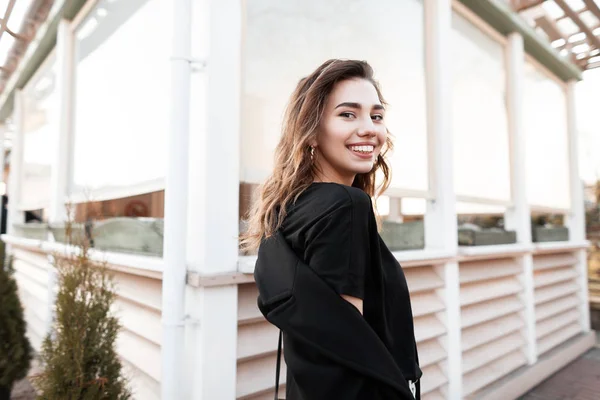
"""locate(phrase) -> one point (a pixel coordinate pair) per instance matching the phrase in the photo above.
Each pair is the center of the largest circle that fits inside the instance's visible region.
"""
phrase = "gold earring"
(312, 153)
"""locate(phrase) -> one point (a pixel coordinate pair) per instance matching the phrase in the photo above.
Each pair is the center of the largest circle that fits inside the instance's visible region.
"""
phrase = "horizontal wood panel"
(560, 336)
(426, 303)
(482, 270)
(555, 307)
(257, 376)
(431, 352)
(432, 379)
(34, 273)
(256, 339)
(248, 311)
(556, 322)
(546, 278)
(145, 322)
(481, 377)
(423, 279)
(489, 310)
(140, 353)
(549, 261)
(144, 290)
(489, 331)
(490, 352)
(428, 327)
(557, 291)
(482, 291)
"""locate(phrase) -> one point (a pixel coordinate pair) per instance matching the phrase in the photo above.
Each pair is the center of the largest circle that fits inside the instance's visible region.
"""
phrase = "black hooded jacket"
(331, 350)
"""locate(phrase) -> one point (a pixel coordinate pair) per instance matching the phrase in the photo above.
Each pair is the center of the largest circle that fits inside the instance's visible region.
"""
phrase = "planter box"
(554, 234)
(471, 237)
(130, 235)
(403, 236)
(60, 235)
(38, 231)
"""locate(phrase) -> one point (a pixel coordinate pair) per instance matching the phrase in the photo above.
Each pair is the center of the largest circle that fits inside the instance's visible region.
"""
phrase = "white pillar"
(576, 218)
(16, 166)
(59, 177)
(518, 218)
(214, 196)
(64, 86)
(440, 220)
(176, 193)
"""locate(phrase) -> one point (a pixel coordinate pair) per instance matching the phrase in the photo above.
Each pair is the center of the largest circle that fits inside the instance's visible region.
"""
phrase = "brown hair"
(294, 171)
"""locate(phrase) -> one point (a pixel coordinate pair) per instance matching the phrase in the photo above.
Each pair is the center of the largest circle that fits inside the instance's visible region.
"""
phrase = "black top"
(332, 228)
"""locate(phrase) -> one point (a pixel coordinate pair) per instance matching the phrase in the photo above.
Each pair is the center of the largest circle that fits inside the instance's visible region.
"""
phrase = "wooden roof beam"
(522, 5)
(591, 38)
(593, 7)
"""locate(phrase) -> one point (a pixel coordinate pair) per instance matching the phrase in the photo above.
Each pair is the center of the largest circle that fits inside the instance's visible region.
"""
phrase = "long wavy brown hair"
(294, 170)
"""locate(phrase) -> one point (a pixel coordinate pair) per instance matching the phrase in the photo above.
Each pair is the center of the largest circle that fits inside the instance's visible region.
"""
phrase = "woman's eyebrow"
(358, 106)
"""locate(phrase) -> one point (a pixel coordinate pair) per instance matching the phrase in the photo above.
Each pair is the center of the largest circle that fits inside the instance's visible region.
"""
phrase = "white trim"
(43, 68)
(87, 8)
(499, 250)
(408, 193)
(545, 71)
(548, 209)
(484, 201)
(116, 192)
(31, 49)
(558, 247)
(473, 18)
(135, 264)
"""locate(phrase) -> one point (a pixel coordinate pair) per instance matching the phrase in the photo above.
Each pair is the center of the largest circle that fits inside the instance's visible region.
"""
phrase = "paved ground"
(579, 380)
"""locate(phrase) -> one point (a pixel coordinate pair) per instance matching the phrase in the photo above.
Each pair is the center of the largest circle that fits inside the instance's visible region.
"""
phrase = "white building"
(138, 103)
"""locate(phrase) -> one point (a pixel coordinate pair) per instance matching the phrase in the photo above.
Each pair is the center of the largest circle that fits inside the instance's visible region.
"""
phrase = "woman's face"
(351, 133)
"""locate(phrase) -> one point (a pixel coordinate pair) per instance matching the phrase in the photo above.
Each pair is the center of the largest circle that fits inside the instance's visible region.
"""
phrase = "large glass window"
(122, 98)
(479, 119)
(545, 124)
(40, 127)
(286, 40)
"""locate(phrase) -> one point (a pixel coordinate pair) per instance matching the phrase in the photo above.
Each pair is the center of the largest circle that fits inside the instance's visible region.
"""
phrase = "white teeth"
(362, 149)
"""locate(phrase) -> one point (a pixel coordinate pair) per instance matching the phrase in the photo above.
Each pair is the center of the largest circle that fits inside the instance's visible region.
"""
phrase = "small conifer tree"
(79, 357)
(15, 349)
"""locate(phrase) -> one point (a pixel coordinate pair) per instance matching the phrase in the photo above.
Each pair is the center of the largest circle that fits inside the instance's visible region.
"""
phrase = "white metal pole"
(576, 218)
(517, 218)
(440, 220)
(176, 193)
(214, 193)
(16, 166)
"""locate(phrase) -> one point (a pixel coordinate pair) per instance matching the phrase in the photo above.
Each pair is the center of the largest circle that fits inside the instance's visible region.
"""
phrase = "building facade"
(170, 111)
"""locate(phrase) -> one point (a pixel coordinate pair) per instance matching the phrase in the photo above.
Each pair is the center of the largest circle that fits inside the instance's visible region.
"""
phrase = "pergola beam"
(522, 5)
(591, 38)
(593, 7)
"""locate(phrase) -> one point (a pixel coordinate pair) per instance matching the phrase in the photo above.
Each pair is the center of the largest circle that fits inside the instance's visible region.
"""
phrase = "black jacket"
(330, 350)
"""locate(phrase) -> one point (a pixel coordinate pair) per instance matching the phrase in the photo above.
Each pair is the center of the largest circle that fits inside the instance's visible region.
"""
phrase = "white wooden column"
(440, 220)
(59, 177)
(214, 195)
(16, 166)
(517, 217)
(64, 87)
(576, 218)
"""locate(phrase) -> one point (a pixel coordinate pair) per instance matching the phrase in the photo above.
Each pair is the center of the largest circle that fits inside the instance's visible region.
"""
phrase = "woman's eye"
(347, 115)
(377, 117)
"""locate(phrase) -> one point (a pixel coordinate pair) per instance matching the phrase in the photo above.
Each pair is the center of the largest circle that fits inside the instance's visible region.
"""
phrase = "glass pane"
(122, 92)
(545, 124)
(286, 40)
(40, 119)
(480, 127)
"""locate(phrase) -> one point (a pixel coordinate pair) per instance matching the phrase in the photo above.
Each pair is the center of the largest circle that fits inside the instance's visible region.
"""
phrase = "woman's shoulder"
(330, 194)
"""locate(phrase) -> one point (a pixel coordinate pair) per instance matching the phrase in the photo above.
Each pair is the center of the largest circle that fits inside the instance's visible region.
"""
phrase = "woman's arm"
(355, 301)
